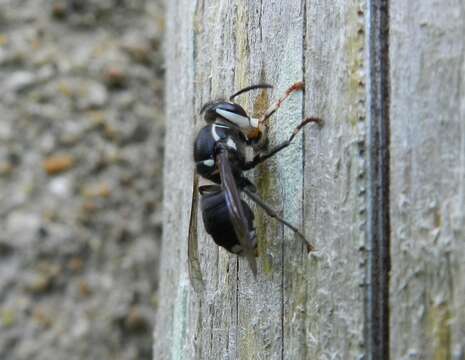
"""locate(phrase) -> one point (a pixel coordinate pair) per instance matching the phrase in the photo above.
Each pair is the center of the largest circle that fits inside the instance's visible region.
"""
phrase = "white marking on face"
(237, 119)
(209, 162)
(254, 122)
(231, 144)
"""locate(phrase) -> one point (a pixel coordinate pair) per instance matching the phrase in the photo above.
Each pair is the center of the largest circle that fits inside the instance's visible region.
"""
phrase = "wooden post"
(369, 69)
(427, 292)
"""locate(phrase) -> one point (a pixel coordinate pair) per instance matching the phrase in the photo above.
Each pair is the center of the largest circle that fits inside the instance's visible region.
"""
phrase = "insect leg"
(259, 158)
(272, 213)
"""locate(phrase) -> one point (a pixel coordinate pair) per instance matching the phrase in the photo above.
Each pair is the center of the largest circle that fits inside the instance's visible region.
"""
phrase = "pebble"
(92, 96)
(60, 186)
(19, 80)
(56, 164)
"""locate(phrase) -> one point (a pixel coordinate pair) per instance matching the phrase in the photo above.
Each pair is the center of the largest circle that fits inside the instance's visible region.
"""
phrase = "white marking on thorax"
(249, 153)
(231, 143)
(208, 162)
(214, 133)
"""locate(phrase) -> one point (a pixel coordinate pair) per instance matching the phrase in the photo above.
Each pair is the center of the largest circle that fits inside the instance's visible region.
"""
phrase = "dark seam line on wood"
(282, 276)
(304, 50)
(280, 186)
(282, 286)
(193, 222)
(237, 309)
(283, 264)
(192, 236)
(236, 299)
(378, 230)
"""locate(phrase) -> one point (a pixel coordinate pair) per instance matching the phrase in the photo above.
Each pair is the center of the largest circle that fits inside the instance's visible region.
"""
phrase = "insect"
(220, 150)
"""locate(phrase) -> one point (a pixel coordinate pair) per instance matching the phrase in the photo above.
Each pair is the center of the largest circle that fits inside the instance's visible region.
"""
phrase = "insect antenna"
(248, 88)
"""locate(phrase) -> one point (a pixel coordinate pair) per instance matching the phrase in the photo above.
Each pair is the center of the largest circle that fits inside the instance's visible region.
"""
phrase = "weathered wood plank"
(276, 56)
(300, 306)
(335, 179)
(427, 294)
(171, 340)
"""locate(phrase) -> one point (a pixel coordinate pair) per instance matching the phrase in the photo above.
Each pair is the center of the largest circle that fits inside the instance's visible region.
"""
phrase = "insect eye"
(233, 113)
(231, 108)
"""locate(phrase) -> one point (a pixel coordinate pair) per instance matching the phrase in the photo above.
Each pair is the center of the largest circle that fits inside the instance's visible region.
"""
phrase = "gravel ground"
(81, 142)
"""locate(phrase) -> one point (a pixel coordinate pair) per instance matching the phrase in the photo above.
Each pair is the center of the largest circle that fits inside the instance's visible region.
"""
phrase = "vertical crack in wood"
(237, 309)
(195, 271)
(283, 264)
(304, 50)
(282, 285)
(378, 227)
(304, 47)
(461, 95)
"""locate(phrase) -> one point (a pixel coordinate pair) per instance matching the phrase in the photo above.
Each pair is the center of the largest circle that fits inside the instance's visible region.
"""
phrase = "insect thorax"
(205, 146)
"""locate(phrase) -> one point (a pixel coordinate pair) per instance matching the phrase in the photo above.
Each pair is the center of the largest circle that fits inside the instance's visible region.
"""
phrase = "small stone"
(110, 132)
(6, 169)
(3, 40)
(60, 186)
(5, 248)
(39, 284)
(49, 269)
(56, 164)
(75, 264)
(23, 226)
(18, 81)
(140, 53)
(135, 321)
(84, 289)
(89, 207)
(115, 77)
(64, 88)
(8, 317)
(59, 10)
(42, 317)
(92, 96)
(97, 190)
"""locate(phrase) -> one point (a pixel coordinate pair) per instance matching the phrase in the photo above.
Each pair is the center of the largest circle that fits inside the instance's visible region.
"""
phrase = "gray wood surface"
(335, 179)
(300, 305)
(427, 293)
(322, 305)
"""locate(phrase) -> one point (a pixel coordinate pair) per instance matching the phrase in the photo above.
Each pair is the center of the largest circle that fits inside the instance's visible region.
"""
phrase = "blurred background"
(81, 146)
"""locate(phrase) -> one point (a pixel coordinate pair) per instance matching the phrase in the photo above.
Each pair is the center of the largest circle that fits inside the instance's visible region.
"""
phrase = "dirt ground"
(81, 147)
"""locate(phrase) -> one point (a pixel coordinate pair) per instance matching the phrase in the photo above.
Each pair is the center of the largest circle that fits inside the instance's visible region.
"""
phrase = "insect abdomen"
(216, 219)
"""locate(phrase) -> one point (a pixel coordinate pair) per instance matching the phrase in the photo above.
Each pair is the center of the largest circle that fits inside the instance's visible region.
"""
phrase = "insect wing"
(235, 209)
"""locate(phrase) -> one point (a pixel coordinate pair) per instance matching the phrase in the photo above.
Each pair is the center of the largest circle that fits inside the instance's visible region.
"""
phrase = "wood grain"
(330, 304)
(427, 293)
(335, 180)
(300, 305)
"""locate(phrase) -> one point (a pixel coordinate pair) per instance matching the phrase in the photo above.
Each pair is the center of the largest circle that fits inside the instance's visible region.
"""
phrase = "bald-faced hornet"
(220, 159)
